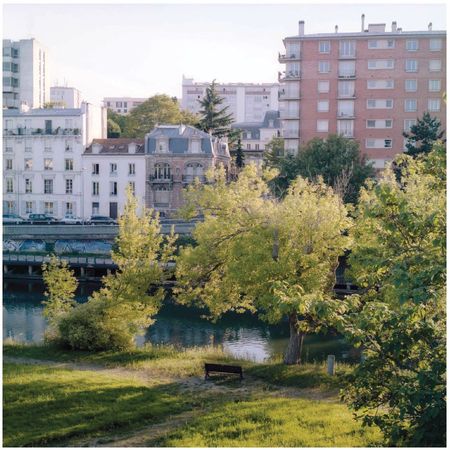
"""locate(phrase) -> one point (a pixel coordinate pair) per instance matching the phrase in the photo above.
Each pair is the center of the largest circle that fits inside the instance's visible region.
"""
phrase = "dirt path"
(221, 387)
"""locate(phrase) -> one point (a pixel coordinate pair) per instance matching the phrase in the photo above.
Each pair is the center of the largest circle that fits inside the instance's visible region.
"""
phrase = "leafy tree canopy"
(114, 130)
(423, 135)
(258, 254)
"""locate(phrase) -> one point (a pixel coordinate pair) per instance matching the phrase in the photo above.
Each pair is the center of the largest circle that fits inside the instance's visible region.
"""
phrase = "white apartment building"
(65, 97)
(110, 165)
(248, 102)
(122, 105)
(42, 158)
(26, 74)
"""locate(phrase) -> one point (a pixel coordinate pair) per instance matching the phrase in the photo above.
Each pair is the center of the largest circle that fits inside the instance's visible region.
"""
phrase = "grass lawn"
(46, 405)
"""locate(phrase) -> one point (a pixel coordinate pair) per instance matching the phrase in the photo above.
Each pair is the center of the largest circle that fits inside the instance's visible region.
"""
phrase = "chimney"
(301, 28)
(96, 148)
(362, 23)
(132, 148)
(430, 26)
(335, 28)
(394, 27)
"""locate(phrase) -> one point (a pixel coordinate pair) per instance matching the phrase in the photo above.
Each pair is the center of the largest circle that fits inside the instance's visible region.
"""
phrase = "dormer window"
(162, 146)
(195, 146)
(270, 123)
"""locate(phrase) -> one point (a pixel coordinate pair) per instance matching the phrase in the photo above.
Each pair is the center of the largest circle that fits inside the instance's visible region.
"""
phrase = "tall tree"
(336, 159)
(399, 258)
(159, 109)
(113, 129)
(257, 254)
(423, 135)
(214, 119)
(240, 157)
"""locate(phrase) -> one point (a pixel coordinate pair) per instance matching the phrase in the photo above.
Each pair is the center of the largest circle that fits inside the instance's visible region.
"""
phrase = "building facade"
(42, 158)
(175, 156)
(110, 166)
(256, 135)
(65, 97)
(248, 102)
(122, 105)
(26, 74)
(370, 86)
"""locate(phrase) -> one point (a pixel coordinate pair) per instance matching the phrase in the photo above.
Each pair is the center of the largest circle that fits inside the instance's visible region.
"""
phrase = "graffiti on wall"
(60, 247)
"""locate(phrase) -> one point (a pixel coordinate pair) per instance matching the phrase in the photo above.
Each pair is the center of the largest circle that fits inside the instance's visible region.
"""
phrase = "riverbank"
(156, 396)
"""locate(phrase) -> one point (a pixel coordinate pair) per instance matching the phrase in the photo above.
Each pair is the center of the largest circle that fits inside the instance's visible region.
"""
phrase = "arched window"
(193, 170)
(162, 171)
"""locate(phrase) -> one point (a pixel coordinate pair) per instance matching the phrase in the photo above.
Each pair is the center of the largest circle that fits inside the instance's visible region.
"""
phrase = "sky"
(139, 50)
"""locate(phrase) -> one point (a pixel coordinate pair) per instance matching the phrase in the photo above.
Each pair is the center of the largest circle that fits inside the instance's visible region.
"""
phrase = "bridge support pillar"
(82, 272)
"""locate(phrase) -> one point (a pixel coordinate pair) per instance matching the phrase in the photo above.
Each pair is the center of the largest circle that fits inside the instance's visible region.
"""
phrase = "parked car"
(42, 219)
(12, 218)
(72, 220)
(101, 220)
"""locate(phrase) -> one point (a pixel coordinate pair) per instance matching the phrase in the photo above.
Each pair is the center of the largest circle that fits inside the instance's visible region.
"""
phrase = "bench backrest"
(222, 368)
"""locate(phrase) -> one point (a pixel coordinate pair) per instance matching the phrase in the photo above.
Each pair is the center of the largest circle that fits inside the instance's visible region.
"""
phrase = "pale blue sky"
(143, 49)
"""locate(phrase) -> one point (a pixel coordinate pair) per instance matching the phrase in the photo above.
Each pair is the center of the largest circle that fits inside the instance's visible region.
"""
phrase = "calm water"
(241, 335)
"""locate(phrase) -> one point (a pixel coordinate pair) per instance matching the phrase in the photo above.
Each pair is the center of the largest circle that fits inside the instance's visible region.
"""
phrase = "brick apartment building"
(370, 85)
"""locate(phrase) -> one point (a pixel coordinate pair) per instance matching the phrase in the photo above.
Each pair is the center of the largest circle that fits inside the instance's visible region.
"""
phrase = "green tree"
(240, 157)
(423, 135)
(214, 119)
(114, 130)
(336, 159)
(60, 284)
(399, 258)
(129, 298)
(257, 254)
(159, 109)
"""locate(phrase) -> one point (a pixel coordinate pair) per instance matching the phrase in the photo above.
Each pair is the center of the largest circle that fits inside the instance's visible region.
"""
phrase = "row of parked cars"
(46, 219)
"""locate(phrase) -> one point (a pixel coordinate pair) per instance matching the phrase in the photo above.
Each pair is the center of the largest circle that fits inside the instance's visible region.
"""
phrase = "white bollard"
(331, 365)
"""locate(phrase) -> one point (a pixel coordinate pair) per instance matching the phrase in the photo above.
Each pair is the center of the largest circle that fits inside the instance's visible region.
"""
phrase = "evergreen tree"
(214, 119)
(423, 135)
(239, 155)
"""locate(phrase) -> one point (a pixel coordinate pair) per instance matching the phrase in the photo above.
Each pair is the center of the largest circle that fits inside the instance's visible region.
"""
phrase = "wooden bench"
(223, 369)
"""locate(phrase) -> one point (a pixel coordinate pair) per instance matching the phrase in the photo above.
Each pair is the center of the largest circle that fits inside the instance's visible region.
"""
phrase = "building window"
(323, 106)
(48, 186)
(113, 188)
(410, 85)
(412, 45)
(118, 104)
(95, 208)
(113, 169)
(380, 84)
(132, 185)
(345, 128)
(95, 169)
(9, 186)
(9, 164)
(380, 103)
(69, 208)
(323, 86)
(69, 186)
(28, 164)
(346, 88)
(408, 123)
(48, 208)
(388, 143)
(10, 207)
(48, 164)
(322, 126)
(411, 105)
(28, 186)
(435, 65)
(68, 124)
(95, 188)
(324, 46)
(162, 171)
(347, 49)
(28, 146)
(28, 207)
(411, 65)
(435, 45)
(434, 85)
(347, 69)
(162, 146)
(69, 164)
(381, 43)
(131, 169)
(324, 66)
(346, 108)
(379, 123)
(375, 64)
(434, 104)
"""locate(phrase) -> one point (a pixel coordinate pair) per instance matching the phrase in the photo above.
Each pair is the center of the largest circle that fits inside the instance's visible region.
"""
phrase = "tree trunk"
(294, 349)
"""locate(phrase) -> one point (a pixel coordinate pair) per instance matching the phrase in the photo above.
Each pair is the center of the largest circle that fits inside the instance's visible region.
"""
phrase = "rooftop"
(116, 146)
(42, 112)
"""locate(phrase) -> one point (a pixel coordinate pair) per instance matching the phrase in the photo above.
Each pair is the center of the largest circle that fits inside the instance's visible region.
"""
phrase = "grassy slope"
(46, 404)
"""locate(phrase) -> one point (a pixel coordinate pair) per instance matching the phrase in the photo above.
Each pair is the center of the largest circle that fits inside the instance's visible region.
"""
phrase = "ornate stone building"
(175, 156)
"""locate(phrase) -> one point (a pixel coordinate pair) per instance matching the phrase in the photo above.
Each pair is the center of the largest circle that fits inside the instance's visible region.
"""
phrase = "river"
(243, 335)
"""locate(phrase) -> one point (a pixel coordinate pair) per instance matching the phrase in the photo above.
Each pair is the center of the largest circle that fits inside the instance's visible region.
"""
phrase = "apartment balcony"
(346, 96)
(347, 134)
(345, 115)
(191, 178)
(289, 115)
(160, 180)
(347, 75)
(345, 56)
(283, 95)
(289, 76)
(290, 134)
(42, 132)
(288, 57)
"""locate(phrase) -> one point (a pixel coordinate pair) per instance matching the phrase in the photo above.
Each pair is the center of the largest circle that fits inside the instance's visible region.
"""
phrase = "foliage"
(240, 157)
(274, 151)
(214, 119)
(124, 306)
(159, 109)
(399, 258)
(336, 159)
(52, 105)
(114, 130)
(423, 135)
(289, 250)
(60, 284)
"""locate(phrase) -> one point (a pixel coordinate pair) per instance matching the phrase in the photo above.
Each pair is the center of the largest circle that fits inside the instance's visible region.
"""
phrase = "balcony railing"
(41, 131)
(290, 134)
(346, 114)
(289, 57)
(289, 76)
(289, 95)
(191, 178)
(347, 75)
(162, 179)
(289, 115)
